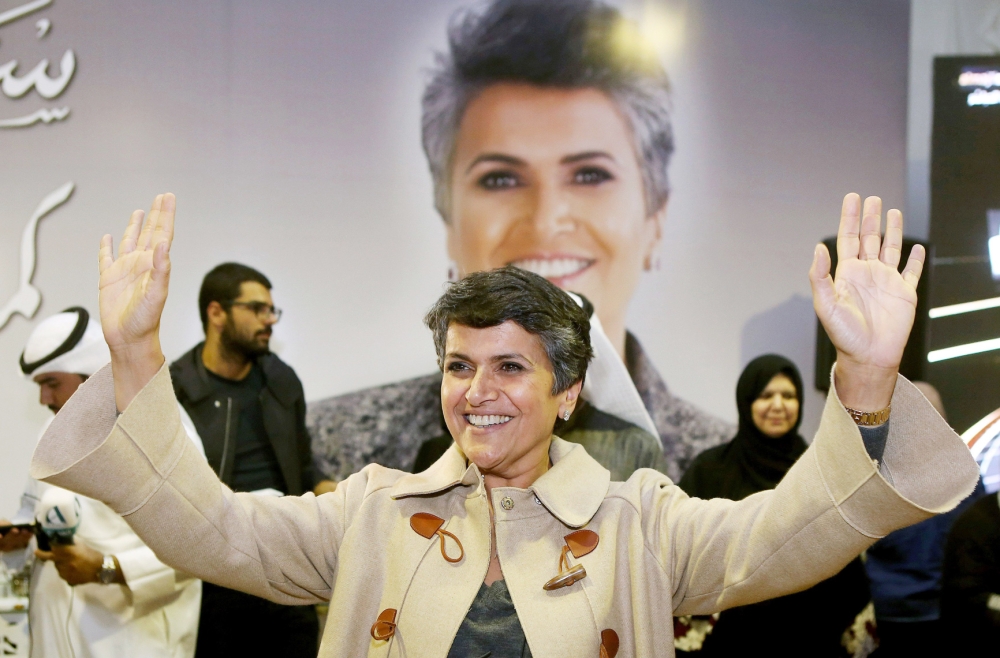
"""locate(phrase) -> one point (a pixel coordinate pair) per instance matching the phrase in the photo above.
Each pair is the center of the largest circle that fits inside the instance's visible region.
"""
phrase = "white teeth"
(486, 421)
(553, 267)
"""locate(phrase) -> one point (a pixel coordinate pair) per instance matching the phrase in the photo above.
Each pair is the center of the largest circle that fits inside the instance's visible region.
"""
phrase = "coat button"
(217, 404)
(507, 503)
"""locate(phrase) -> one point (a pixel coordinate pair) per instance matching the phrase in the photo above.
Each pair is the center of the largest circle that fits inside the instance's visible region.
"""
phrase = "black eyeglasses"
(263, 311)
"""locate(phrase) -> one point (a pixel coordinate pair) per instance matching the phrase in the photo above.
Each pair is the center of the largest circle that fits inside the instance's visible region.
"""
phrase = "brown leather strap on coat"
(609, 643)
(385, 626)
(563, 560)
(582, 542)
(444, 552)
(427, 525)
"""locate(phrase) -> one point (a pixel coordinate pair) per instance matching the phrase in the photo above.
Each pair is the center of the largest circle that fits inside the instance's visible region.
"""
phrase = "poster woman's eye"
(499, 180)
(591, 176)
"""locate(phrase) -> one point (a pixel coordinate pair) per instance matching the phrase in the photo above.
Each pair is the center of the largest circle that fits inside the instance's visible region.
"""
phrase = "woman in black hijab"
(767, 443)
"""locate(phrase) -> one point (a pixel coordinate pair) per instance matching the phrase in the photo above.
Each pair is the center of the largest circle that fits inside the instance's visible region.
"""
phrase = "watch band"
(869, 418)
(108, 571)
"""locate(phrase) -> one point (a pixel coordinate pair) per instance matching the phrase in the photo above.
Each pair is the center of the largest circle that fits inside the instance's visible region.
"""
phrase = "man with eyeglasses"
(249, 408)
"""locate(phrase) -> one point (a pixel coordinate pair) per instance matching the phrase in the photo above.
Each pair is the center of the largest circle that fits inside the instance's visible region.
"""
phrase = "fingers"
(164, 230)
(871, 229)
(824, 294)
(892, 245)
(848, 235)
(160, 275)
(105, 257)
(131, 236)
(147, 229)
(44, 556)
(914, 265)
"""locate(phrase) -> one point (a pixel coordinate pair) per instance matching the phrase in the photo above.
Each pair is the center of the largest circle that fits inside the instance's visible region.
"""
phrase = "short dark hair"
(567, 44)
(222, 284)
(488, 299)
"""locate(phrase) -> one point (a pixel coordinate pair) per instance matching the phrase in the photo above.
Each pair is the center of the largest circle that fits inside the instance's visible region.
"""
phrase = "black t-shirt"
(255, 466)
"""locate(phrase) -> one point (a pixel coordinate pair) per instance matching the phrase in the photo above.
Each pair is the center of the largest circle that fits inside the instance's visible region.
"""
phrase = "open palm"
(133, 286)
(868, 309)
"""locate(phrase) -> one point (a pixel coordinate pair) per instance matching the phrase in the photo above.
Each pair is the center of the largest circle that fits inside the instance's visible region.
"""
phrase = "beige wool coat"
(660, 553)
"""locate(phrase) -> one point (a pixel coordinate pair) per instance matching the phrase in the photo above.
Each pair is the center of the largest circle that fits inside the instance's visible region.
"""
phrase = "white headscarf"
(608, 385)
(66, 342)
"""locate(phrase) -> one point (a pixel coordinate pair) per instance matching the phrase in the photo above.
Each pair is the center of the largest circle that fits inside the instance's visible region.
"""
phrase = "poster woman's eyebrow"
(495, 157)
(513, 356)
(587, 155)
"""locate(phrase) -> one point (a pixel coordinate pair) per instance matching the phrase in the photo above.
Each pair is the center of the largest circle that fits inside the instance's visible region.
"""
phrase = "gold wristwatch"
(869, 418)
(108, 571)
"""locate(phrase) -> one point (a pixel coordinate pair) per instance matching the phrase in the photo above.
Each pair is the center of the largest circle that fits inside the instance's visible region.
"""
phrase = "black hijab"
(752, 461)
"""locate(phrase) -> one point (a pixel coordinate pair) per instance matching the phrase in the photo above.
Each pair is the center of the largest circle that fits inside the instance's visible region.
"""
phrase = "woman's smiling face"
(547, 179)
(497, 397)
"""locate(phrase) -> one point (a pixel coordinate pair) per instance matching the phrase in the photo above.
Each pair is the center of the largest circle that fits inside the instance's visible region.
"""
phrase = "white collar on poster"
(608, 385)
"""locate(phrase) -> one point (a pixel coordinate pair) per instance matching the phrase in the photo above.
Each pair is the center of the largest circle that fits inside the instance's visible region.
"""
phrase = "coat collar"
(573, 489)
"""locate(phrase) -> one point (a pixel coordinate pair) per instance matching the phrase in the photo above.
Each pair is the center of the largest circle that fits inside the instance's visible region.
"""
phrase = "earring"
(566, 415)
(452, 271)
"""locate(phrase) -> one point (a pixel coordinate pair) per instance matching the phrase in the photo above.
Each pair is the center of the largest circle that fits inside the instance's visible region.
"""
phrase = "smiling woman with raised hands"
(516, 542)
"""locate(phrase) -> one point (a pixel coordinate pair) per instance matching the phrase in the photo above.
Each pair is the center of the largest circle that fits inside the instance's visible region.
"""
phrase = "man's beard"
(249, 347)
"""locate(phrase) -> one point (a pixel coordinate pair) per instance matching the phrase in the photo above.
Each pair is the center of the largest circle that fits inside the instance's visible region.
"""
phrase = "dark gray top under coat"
(491, 629)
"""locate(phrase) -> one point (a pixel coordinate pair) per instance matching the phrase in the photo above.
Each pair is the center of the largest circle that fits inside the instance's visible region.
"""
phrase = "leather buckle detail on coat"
(385, 626)
(427, 525)
(582, 542)
(579, 543)
(609, 643)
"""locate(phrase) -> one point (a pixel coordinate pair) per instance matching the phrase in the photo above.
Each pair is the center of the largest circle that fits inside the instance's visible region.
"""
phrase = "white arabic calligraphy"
(14, 87)
(44, 115)
(27, 298)
(20, 12)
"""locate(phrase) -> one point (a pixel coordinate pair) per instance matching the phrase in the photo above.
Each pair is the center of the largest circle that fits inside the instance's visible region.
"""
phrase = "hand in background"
(13, 539)
(77, 563)
(133, 290)
(868, 310)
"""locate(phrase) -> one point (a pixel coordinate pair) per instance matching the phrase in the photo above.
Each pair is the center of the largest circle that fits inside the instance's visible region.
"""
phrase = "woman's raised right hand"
(133, 290)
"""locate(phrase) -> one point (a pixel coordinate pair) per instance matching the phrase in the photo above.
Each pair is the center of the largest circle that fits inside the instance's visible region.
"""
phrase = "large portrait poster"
(291, 134)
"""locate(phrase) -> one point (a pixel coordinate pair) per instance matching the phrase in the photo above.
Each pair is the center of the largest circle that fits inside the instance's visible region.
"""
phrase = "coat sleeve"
(152, 583)
(831, 505)
(144, 466)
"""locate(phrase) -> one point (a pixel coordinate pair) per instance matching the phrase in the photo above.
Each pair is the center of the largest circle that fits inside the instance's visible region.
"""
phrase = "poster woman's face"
(548, 180)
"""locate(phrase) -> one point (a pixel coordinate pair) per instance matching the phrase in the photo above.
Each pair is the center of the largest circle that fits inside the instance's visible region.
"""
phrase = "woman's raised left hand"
(868, 309)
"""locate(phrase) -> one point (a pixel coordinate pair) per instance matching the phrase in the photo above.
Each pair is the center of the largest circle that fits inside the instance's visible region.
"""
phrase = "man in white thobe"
(106, 595)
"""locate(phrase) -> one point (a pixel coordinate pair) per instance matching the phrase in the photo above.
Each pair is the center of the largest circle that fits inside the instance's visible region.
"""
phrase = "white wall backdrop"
(290, 134)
